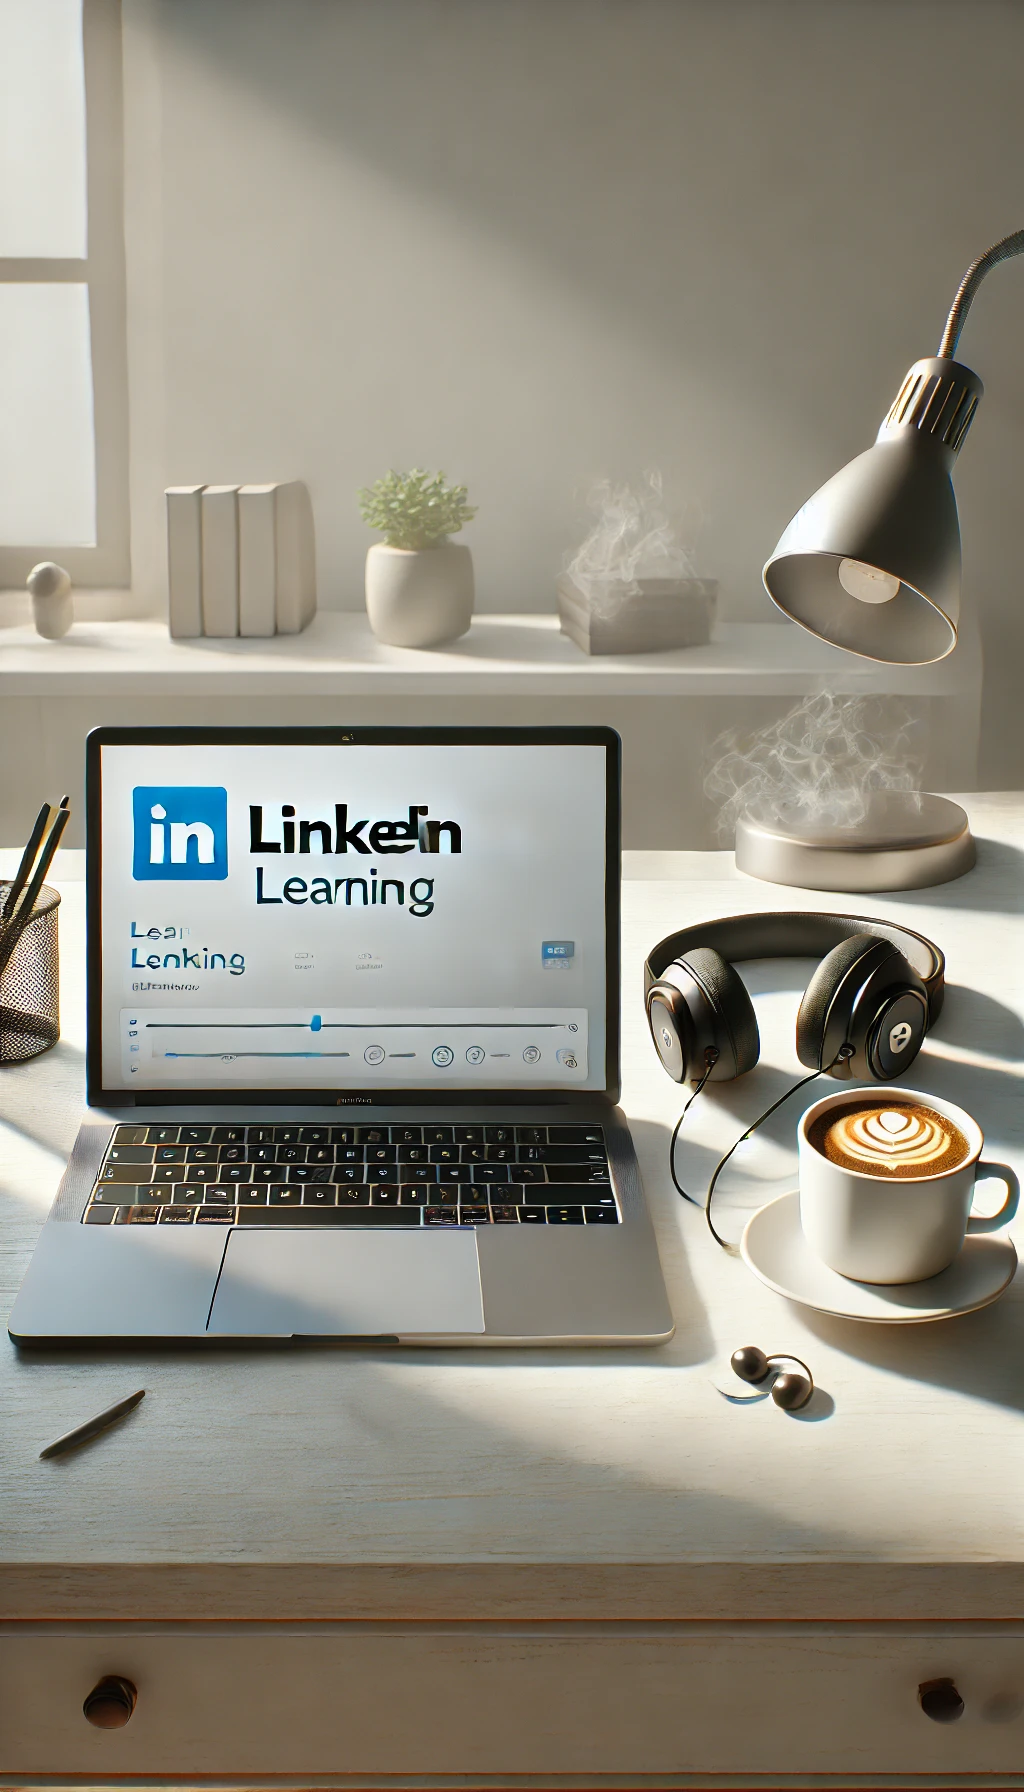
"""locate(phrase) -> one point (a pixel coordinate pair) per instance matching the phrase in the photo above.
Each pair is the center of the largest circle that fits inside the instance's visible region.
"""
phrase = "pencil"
(82, 1433)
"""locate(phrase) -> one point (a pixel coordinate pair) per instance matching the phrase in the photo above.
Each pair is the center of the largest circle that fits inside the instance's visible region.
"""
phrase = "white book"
(184, 561)
(257, 559)
(220, 559)
(296, 559)
(276, 559)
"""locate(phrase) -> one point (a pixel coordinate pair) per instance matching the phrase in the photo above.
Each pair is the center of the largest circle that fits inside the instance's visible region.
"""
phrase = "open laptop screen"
(316, 911)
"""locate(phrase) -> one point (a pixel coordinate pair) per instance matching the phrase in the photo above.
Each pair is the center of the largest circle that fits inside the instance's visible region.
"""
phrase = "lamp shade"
(871, 563)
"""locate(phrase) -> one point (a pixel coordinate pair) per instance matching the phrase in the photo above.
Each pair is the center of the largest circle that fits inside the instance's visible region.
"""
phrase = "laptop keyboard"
(364, 1176)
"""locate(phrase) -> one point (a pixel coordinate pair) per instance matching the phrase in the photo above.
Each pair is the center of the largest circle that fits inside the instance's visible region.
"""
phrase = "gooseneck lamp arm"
(1002, 251)
(871, 563)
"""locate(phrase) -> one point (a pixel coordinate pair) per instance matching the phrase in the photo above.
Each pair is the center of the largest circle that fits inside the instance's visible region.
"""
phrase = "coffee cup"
(887, 1180)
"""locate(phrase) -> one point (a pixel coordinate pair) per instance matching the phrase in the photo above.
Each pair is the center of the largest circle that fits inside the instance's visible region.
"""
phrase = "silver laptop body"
(353, 1046)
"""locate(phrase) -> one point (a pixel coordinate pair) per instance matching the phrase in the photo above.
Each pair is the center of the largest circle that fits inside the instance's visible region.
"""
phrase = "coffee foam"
(902, 1140)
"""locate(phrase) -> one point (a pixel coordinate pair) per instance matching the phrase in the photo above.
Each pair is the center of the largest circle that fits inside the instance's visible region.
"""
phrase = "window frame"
(108, 563)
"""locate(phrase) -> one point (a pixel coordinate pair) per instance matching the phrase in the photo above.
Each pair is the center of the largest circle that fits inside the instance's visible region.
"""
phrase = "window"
(63, 382)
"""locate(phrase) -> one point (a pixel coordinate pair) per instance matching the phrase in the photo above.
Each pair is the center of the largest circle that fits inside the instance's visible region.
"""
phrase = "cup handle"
(993, 1221)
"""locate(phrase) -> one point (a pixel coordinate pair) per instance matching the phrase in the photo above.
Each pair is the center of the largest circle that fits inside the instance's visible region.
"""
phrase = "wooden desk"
(579, 1567)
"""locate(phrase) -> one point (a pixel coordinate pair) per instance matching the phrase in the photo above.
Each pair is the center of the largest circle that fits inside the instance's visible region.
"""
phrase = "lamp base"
(906, 841)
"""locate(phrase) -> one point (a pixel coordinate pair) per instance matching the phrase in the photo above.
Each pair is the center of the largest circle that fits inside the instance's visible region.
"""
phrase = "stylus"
(27, 858)
(82, 1433)
(21, 918)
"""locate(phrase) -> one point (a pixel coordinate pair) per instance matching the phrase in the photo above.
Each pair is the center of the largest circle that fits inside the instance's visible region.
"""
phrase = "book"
(257, 560)
(220, 559)
(277, 559)
(184, 561)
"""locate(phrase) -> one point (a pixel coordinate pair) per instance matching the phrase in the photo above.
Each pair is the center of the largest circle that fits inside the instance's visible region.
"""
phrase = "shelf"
(501, 656)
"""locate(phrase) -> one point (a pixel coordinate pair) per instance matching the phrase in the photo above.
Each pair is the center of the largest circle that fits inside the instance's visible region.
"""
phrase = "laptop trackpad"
(350, 1283)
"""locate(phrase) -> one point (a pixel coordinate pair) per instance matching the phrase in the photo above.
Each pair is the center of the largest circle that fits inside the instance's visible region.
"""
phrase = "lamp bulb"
(868, 584)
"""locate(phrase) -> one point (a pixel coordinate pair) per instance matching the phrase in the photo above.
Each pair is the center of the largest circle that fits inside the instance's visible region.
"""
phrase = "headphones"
(878, 989)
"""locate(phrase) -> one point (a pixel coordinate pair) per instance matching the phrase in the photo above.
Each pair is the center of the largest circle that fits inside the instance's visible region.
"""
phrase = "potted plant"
(419, 584)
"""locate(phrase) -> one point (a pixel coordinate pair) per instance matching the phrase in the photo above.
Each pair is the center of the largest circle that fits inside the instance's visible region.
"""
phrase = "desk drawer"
(512, 1699)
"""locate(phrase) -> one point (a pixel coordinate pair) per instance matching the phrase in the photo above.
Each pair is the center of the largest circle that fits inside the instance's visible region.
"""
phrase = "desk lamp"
(871, 563)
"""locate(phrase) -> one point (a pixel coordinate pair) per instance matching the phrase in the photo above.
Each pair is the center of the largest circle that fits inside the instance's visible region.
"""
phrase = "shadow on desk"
(1001, 892)
(978, 1354)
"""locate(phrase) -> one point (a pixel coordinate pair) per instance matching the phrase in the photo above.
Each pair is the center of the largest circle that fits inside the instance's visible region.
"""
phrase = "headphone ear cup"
(735, 1023)
(820, 994)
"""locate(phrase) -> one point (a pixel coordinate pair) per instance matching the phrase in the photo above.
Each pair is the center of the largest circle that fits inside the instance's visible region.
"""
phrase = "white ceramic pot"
(419, 597)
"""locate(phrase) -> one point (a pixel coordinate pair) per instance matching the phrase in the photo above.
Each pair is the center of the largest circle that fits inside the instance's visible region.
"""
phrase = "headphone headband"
(790, 934)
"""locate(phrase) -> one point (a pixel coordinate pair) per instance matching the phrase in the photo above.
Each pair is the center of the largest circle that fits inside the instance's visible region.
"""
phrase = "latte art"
(889, 1140)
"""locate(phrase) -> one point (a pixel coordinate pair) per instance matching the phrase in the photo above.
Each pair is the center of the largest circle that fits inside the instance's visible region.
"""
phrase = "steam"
(821, 763)
(634, 537)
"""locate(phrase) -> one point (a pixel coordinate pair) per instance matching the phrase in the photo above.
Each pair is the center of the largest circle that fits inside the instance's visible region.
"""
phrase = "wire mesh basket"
(29, 999)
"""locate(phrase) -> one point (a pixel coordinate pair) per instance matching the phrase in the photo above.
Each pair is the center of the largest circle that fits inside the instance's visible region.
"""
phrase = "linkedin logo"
(181, 832)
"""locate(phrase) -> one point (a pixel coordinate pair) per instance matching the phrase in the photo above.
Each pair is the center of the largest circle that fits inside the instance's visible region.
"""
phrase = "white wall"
(533, 241)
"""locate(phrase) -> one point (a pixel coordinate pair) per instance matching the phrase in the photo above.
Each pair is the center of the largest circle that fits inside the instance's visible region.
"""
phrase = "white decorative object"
(419, 597)
(184, 561)
(220, 560)
(53, 609)
(276, 559)
(631, 586)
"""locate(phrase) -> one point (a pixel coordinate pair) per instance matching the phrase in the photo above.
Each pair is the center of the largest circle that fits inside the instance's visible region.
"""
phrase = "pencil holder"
(29, 1001)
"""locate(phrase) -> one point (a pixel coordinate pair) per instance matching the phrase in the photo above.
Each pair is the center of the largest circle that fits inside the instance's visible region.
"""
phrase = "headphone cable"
(711, 1057)
(843, 1054)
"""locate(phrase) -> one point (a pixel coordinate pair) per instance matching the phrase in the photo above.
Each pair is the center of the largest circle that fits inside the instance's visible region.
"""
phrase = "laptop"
(353, 1046)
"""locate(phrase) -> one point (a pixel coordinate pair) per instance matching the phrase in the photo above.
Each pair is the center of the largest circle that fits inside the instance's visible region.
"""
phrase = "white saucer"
(774, 1248)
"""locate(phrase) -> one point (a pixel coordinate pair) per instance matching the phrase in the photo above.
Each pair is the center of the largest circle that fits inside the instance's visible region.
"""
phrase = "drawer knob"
(940, 1701)
(111, 1702)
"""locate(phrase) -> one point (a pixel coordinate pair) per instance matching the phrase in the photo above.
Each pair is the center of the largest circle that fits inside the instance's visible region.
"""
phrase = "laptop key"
(290, 1154)
(381, 1154)
(343, 1135)
(562, 1154)
(349, 1173)
(566, 1194)
(314, 1135)
(473, 1197)
(139, 1216)
(440, 1216)
(474, 1216)
(215, 1216)
(152, 1196)
(170, 1154)
(601, 1216)
(445, 1196)
(533, 1216)
(438, 1135)
(286, 1135)
(407, 1135)
(131, 1154)
(384, 1172)
(201, 1154)
(285, 1194)
(202, 1172)
(319, 1194)
(246, 1195)
(413, 1194)
(369, 1217)
(218, 1196)
(177, 1216)
(130, 1135)
(356, 1195)
(505, 1216)
(233, 1154)
(188, 1195)
(319, 1154)
(229, 1135)
(504, 1135)
(576, 1135)
(385, 1196)
(195, 1135)
(161, 1135)
(267, 1172)
(126, 1173)
(413, 1154)
(530, 1173)
(591, 1174)
(118, 1194)
(531, 1135)
(491, 1173)
(97, 1215)
(469, 1135)
(311, 1173)
(565, 1216)
(371, 1135)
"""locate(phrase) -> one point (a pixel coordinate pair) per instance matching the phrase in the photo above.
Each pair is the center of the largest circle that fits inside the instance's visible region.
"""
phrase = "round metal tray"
(905, 842)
